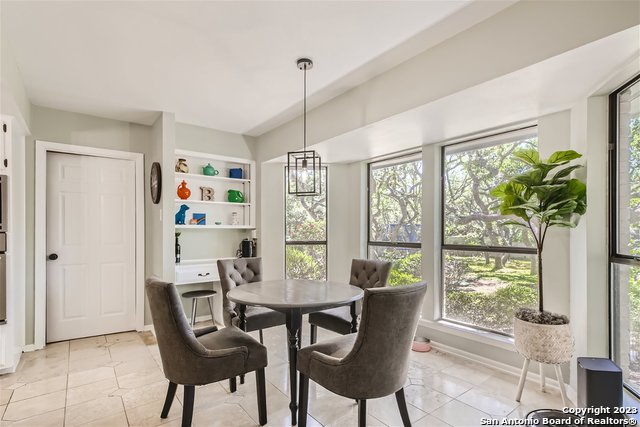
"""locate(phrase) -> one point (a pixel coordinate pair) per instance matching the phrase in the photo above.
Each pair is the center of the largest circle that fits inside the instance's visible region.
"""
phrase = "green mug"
(235, 196)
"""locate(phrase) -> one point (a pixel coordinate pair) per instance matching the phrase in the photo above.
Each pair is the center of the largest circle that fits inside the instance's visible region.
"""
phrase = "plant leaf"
(530, 157)
(499, 191)
(513, 222)
(562, 157)
(565, 172)
(562, 223)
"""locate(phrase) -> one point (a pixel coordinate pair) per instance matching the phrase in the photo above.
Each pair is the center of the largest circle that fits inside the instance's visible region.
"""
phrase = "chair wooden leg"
(523, 378)
(262, 396)
(213, 318)
(232, 385)
(362, 413)
(187, 406)
(402, 406)
(194, 309)
(261, 337)
(171, 393)
(303, 401)
(313, 336)
(563, 391)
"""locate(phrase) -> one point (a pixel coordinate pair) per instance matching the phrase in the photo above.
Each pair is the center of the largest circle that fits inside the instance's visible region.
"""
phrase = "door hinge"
(4, 127)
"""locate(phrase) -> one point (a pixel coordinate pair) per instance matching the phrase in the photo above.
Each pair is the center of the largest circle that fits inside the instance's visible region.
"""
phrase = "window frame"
(615, 257)
(473, 143)
(379, 243)
(324, 242)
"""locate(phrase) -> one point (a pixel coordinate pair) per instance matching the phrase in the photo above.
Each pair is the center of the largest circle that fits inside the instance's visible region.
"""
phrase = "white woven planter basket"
(551, 344)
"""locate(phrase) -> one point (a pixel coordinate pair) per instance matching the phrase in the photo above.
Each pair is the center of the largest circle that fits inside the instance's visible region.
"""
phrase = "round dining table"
(295, 297)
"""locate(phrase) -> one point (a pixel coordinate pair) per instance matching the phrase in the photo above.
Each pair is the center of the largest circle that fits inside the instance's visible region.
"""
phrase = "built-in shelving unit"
(219, 240)
(220, 209)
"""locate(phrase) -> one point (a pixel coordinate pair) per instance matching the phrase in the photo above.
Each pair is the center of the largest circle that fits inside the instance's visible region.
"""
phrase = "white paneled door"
(90, 246)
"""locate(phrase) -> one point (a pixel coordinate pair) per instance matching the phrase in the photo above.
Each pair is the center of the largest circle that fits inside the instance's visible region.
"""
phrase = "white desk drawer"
(196, 273)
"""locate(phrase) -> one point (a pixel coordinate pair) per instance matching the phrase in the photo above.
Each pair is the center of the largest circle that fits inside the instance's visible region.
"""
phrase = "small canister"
(235, 173)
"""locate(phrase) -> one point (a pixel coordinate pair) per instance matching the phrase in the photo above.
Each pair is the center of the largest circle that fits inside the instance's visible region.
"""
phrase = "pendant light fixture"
(303, 166)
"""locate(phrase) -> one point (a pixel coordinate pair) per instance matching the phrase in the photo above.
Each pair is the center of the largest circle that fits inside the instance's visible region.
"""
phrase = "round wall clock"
(156, 182)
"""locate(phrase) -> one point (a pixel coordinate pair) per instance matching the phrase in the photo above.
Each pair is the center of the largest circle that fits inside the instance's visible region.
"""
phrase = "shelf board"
(198, 262)
(222, 226)
(210, 178)
(207, 202)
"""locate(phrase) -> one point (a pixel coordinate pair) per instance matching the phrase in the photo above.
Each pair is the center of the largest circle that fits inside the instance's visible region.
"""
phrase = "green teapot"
(209, 170)
(235, 196)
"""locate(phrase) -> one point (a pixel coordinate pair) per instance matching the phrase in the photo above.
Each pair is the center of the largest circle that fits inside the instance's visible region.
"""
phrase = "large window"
(395, 213)
(306, 234)
(488, 269)
(625, 231)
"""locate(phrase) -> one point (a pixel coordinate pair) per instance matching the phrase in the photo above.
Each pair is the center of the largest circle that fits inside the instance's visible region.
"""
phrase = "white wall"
(554, 134)
(589, 249)
(345, 216)
(271, 220)
(197, 138)
(13, 96)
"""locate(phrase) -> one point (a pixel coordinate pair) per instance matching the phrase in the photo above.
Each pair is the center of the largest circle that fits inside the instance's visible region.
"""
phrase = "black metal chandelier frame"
(304, 165)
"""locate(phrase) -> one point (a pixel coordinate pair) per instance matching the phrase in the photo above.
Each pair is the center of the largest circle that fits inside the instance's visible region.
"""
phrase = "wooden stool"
(195, 296)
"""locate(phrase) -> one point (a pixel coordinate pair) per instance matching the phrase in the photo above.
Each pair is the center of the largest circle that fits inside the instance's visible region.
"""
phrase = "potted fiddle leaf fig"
(544, 196)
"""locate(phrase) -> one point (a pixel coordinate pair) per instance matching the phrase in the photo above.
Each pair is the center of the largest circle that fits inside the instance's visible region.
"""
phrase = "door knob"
(53, 257)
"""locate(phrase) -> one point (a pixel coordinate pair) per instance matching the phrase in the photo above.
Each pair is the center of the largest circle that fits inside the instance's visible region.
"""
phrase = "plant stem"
(540, 299)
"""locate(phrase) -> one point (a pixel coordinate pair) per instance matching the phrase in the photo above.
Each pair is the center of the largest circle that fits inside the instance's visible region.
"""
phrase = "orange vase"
(183, 191)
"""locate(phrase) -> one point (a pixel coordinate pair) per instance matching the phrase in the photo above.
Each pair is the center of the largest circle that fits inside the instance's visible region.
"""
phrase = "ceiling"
(222, 65)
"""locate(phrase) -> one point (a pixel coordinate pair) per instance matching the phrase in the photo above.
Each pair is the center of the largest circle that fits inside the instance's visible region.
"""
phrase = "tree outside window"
(306, 234)
(395, 214)
(625, 231)
(488, 269)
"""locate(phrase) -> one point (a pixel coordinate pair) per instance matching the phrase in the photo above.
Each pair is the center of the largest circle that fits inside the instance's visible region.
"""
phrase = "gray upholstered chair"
(372, 363)
(238, 271)
(365, 273)
(201, 357)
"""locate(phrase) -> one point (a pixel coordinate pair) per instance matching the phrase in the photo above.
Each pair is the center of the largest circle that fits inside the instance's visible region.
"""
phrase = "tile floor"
(116, 380)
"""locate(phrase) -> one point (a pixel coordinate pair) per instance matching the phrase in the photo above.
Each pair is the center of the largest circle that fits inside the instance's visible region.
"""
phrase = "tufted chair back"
(368, 273)
(377, 362)
(234, 272)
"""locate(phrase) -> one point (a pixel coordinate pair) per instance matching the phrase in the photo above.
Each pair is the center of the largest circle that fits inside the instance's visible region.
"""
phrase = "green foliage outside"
(630, 228)
(406, 269)
(306, 221)
(306, 262)
(396, 202)
(477, 294)
(484, 288)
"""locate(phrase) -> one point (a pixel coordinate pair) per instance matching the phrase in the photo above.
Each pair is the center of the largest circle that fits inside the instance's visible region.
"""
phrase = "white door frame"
(40, 251)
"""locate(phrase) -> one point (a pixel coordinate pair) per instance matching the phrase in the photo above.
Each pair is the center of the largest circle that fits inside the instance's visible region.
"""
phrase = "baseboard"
(31, 347)
(149, 328)
(502, 367)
